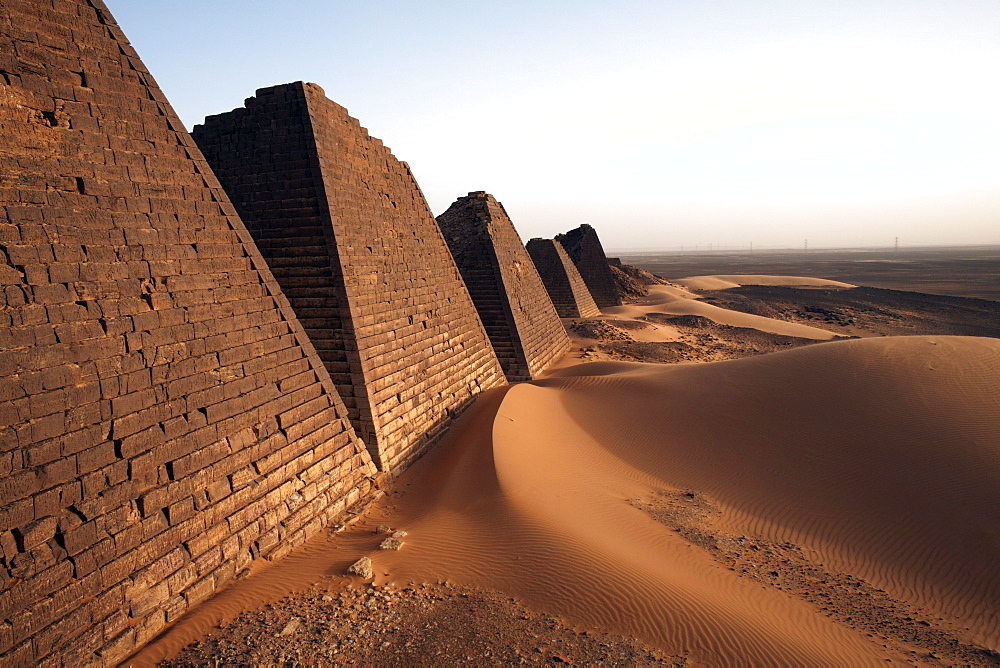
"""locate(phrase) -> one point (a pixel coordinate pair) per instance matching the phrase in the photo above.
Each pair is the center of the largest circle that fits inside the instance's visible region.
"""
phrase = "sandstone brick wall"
(276, 184)
(520, 319)
(584, 247)
(562, 280)
(352, 240)
(164, 419)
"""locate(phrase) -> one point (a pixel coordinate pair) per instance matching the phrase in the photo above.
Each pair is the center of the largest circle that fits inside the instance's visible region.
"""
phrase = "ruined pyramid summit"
(515, 308)
(349, 237)
(562, 280)
(584, 247)
(164, 419)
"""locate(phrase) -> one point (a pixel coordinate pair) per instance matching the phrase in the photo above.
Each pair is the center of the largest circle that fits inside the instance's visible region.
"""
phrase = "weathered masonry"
(164, 419)
(562, 280)
(349, 237)
(519, 317)
(584, 248)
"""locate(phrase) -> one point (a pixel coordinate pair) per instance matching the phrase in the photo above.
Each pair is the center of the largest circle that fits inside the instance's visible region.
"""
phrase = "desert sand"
(832, 503)
(745, 454)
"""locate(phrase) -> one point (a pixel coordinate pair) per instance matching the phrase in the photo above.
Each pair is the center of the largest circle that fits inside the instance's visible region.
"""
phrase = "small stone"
(382, 528)
(391, 544)
(399, 534)
(291, 627)
(362, 567)
(327, 597)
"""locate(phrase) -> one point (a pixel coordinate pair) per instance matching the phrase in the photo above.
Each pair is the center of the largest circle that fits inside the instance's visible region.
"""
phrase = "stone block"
(35, 533)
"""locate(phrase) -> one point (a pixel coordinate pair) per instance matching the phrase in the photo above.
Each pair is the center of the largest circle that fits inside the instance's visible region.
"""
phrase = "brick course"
(562, 280)
(351, 240)
(519, 317)
(147, 356)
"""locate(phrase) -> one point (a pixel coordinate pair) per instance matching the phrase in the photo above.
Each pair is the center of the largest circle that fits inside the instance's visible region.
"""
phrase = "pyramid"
(584, 247)
(562, 280)
(519, 317)
(164, 419)
(349, 237)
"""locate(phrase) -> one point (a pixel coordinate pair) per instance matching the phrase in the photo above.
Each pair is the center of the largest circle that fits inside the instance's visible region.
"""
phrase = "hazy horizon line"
(699, 249)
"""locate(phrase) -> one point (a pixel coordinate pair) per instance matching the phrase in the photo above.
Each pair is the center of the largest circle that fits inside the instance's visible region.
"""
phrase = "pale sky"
(661, 123)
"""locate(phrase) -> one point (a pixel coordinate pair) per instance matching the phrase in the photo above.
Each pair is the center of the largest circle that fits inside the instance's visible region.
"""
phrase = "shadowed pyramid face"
(356, 249)
(515, 308)
(562, 280)
(584, 248)
(164, 418)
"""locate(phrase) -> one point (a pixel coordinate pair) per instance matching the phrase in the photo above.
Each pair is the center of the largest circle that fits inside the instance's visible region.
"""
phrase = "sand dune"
(725, 281)
(669, 502)
(670, 300)
(736, 319)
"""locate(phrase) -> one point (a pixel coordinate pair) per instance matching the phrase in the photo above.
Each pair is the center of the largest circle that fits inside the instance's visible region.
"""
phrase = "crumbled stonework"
(584, 247)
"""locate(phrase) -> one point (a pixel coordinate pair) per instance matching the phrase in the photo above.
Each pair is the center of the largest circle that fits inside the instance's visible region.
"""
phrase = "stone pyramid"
(350, 238)
(562, 280)
(164, 419)
(519, 317)
(584, 247)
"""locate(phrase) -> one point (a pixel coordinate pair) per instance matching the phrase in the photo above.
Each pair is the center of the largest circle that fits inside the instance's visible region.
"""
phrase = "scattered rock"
(600, 330)
(416, 625)
(291, 627)
(391, 544)
(399, 534)
(627, 285)
(362, 567)
(382, 528)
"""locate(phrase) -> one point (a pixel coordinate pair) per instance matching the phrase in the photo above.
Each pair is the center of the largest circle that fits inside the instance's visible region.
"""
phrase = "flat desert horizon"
(745, 466)
(961, 271)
